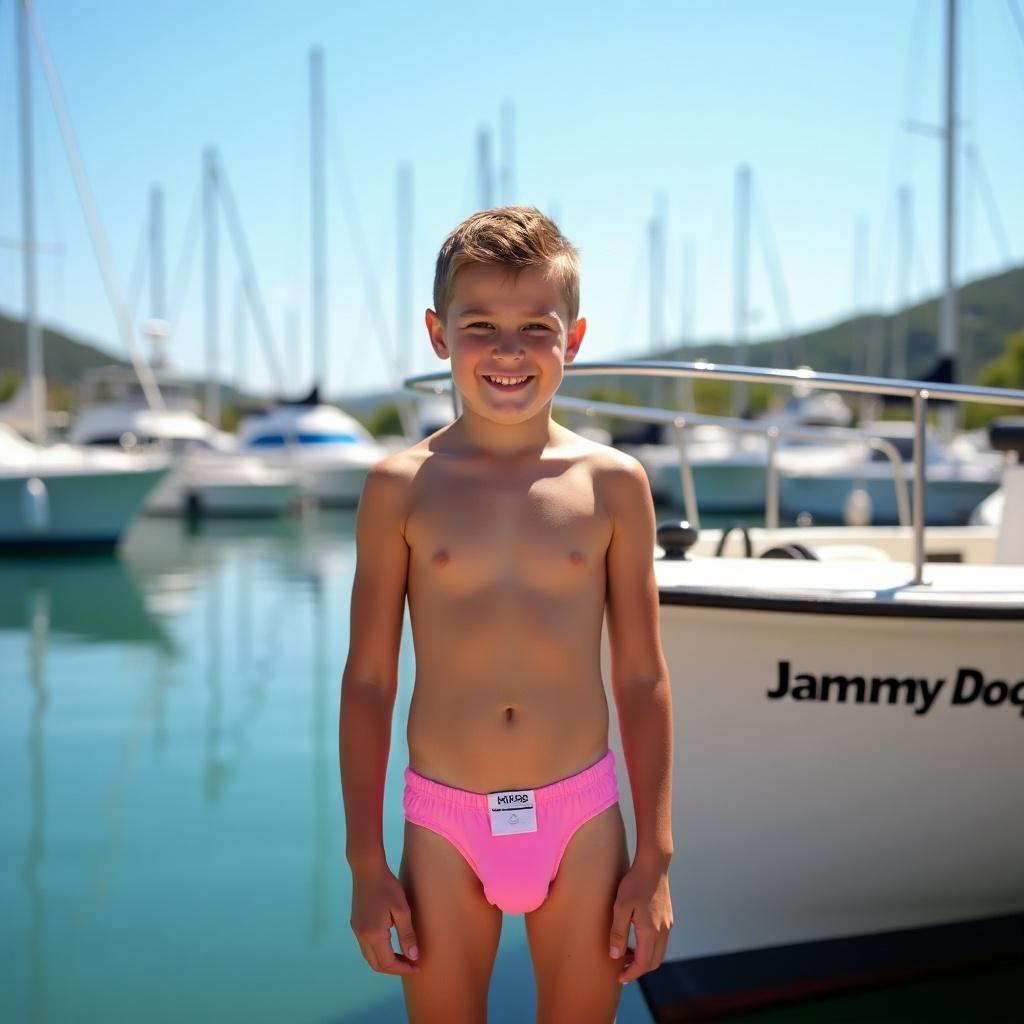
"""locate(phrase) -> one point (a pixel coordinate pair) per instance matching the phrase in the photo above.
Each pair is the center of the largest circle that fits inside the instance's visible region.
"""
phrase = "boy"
(512, 538)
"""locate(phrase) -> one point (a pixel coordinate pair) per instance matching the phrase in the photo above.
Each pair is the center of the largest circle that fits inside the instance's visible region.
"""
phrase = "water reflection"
(94, 598)
(39, 618)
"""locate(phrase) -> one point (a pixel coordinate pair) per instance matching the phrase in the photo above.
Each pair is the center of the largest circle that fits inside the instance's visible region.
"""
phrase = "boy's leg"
(457, 932)
(568, 933)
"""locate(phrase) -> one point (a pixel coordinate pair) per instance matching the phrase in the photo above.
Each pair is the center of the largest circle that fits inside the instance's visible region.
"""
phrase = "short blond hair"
(516, 237)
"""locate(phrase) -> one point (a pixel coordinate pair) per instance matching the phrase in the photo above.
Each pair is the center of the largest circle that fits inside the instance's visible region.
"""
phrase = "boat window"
(904, 445)
(276, 440)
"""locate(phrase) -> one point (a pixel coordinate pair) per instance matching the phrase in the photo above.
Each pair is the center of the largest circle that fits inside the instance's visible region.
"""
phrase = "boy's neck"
(485, 437)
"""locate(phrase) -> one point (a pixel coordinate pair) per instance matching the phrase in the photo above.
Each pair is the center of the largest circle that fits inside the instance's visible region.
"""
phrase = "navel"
(509, 714)
(441, 559)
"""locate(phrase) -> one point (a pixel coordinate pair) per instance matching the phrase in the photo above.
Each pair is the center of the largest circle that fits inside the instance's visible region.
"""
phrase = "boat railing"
(772, 432)
(917, 392)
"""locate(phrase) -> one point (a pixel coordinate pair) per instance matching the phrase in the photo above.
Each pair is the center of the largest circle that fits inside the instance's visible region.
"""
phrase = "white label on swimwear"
(512, 812)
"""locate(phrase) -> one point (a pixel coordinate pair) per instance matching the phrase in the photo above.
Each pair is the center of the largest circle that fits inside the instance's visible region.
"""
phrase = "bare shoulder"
(389, 481)
(619, 478)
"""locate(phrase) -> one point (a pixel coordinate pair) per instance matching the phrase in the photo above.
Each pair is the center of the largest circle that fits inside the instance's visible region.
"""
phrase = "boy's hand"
(644, 899)
(378, 904)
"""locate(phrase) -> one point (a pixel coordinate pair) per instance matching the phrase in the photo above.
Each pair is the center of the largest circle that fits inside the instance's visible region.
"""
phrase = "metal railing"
(770, 431)
(918, 392)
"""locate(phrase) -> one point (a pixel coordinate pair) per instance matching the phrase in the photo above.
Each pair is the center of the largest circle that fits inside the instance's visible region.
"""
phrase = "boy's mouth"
(508, 382)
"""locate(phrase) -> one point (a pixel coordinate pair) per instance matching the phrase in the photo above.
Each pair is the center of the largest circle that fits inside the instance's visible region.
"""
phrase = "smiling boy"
(512, 538)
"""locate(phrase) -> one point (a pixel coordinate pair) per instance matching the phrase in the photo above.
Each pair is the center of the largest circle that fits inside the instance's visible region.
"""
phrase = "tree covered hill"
(991, 310)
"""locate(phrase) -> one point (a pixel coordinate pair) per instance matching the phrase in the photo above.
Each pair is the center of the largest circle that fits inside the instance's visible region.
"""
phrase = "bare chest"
(469, 534)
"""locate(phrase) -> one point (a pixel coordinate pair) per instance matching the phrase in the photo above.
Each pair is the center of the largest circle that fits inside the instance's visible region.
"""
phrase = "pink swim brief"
(513, 839)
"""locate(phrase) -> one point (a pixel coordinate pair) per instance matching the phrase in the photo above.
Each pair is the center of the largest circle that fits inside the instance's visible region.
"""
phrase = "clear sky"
(614, 105)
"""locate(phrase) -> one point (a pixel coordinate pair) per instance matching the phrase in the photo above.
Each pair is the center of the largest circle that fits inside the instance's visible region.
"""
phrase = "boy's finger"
(641, 958)
(388, 962)
(619, 934)
(402, 917)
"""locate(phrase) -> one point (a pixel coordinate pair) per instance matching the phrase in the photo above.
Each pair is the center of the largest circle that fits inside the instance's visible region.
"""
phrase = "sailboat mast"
(33, 339)
(900, 354)
(157, 293)
(484, 169)
(212, 281)
(948, 310)
(656, 232)
(318, 212)
(508, 155)
(403, 277)
(741, 281)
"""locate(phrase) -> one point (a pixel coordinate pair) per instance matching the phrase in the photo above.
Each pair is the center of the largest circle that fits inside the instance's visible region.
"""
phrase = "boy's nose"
(508, 345)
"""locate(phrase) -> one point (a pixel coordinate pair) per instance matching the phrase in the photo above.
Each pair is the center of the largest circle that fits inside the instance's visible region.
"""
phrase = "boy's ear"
(575, 339)
(435, 328)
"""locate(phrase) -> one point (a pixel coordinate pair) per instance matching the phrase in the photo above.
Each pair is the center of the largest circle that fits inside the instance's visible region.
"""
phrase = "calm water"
(172, 842)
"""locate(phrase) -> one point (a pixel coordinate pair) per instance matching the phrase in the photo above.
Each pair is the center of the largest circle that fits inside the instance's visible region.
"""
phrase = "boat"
(67, 497)
(846, 721)
(56, 496)
(210, 475)
(728, 458)
(330, 451)
(847, 715)
(1006, 434)
(818, 481)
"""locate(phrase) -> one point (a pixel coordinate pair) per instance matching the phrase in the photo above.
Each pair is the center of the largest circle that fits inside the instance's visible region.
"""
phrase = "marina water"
(172, 844)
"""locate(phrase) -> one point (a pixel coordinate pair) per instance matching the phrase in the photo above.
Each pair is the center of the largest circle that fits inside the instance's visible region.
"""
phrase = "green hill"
(991, 309)
(64, 358)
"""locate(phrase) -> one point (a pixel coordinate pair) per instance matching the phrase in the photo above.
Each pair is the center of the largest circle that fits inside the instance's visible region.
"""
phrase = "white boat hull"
(720, 487)
(949, 500)
(83, 508)
(327, 479)
(800, 821)
(224, 485)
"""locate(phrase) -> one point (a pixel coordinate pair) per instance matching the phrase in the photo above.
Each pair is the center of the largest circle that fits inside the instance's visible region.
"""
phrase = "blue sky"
(615, 104)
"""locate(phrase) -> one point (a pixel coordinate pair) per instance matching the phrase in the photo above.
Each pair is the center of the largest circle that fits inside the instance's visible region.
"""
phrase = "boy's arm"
(640, 685)
(368, 688)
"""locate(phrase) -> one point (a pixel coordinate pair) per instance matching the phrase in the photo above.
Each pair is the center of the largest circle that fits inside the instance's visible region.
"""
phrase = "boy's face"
(502, 325)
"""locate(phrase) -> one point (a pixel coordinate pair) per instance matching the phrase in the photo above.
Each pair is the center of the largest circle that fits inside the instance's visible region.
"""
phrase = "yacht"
(66, 496)
(818, 481)
(210, 476)
(729, 464)
(329, 451)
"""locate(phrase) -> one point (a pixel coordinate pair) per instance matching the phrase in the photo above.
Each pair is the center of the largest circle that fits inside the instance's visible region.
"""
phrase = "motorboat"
(68, 496)
(728, 464)
(210, 475)
(818, 481)
(328, 450)
(1006, 434)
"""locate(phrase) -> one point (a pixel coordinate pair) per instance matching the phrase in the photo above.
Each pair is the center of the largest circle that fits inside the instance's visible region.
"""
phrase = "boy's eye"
(538, 327)
(479, 325)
